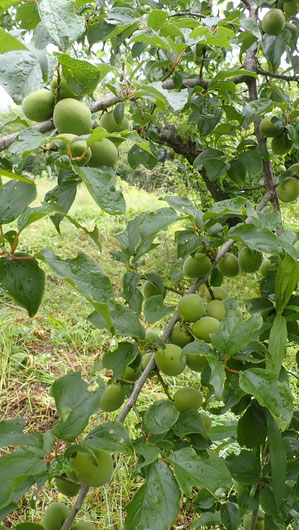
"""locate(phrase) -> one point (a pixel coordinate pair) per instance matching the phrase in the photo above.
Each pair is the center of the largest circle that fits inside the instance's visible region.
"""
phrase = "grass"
(34, 352)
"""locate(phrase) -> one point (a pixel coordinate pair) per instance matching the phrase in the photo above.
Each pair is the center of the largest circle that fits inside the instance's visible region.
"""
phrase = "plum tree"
(66, 486)
(170, 360)
(203, 328)
(273, 21)
(281, 144)
(216, 309)
(288, 189)
(198, 266)
(191, 307)
(103, 153)
(93, 473)
(268, 128)
(38, 106)
(180, 336)
(187, 398)
(113, 397)
(72, 116)
(229, 265)
(249, 260)
(55, 515)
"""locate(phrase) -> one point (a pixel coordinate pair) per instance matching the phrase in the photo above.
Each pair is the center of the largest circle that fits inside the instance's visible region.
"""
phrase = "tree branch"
(76, 508)
(204, 83)
(278, 76)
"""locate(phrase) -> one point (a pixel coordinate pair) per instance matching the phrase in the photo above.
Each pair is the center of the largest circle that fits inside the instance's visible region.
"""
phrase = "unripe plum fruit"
(74, 148)
(295, 168)
(187, 398)
(216, 309)
(203, 327)
(55, 515)
(196, 361)
(83, 525)
(149, 289)
(180, 336)
(39, 105)
(146, 357)
(170, 361)
(207, 422)
(92, 473)
(64, 89)
(103, 153)
(281, 144)
(131, 374)
(249, 260)
(108, 122)
(191, 307)
(198, 266)
(273, 21)
(66, 486)
(259, 525)
(288, 190)
(229, 265)
(219, 293)
(113, 398)
(72, 116)
(266, 268)
(268, 128)
(151, 335)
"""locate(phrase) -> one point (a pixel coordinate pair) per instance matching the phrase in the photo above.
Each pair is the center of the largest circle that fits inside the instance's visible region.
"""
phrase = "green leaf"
(101, 186)
(27, 141)
(190, 422)
(75, 404)
(286, 279)
(118, 359)
(156, 221)
(11, 175)
(27, 15)
(24, 281)
(11, 432)
(62, 197)
(252, 161)
(14, 198)
(230, 515)
(278, 460)
(5, 4)
(277, 343)
(244, 467)
(273, 47)
(270, 393)
(250, 25)
(155, 310)
(8, 42)
(190, 470)
(256, 238)
(149, 36)
(161, 491)
(110, 436)
(20, 73)
(218, 374)
(234, 333)
(31, 215)
(188, 241)
(252, 430)
(156, 18)
(81, 76)
(137, 155)
(29, 526)
(61, 21)
(160, 417)
(121, 320)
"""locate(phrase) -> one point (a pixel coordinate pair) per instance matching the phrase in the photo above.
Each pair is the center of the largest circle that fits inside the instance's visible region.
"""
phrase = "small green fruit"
(249, 260)
(171, 361)
(64, 89)
(113, 397)
(103, 153)
(187, 398)
(108, 122)
(77, 150)
(196, 361)
(206, 421)
(92, 473)
(198, 266)
(66, 486)
(215, 229)
(149, 289)
(281, 144)
(131, 374)
(219, 293)
(191, 307)
(268, 129)
(146, 357)
(216, 309)
(203, 327)
(273, 21)
(266, 268)
(229, 265)
(72, 116)
(180, 336)
(295, 169)
(38, 106)
(55, 515)
(288, 190)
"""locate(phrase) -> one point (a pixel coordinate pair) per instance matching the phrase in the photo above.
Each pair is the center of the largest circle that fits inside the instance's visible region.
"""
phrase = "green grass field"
(58, 339)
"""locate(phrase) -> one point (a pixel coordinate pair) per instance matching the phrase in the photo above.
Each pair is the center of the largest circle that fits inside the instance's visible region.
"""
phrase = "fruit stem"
(164, 385)
(254, 517)
(210, 290)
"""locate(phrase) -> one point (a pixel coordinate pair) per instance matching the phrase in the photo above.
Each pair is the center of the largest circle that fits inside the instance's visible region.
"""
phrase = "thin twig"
(278, 76)
(76, 508)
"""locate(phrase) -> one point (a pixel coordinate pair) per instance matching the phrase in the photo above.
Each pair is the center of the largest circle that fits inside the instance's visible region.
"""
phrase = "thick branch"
(167, 136)
(204, 83)
(47, 126)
